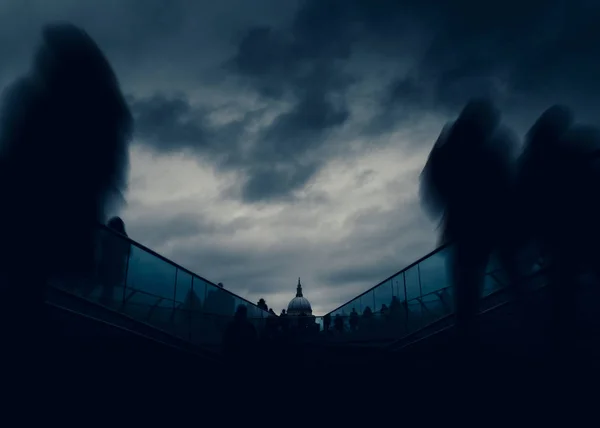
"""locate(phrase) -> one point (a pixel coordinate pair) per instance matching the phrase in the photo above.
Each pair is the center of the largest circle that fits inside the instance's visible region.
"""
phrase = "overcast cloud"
(277, 139)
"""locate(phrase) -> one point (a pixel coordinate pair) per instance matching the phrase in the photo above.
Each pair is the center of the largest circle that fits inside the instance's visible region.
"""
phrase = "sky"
(284, 139)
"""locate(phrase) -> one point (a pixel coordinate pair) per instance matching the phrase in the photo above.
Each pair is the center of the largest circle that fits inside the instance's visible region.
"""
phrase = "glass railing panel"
(183, 285)
(413, 287)
(492, 282)
(433, 272)
(446, 296)
(414, 317)
(112, 265)
(433, 307)
(162, 315)
(367, 303)
(398, 287)
(219, 302)
(105, 294)
(199, 291)
(383, 296)
(237, 302)
(149, 273)
(254, 312)
(353, 305)
(138, 304)
(111, 297)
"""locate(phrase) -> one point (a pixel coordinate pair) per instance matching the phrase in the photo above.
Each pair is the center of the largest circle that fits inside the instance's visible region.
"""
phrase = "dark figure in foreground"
(271, 326)
(468, 182)
(354, 320)
(64, 132)
(240, 339)
(326, 322)
(557, 184)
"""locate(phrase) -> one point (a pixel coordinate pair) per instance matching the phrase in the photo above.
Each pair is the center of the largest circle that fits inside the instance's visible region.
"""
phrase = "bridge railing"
(409, 300)
(137, 281)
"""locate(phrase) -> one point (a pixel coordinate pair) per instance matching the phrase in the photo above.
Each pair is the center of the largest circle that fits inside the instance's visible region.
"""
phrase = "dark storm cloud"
(271, 168)
(519, 52)
(267, 183)
(503, 48)
(170, 123)
(512, 50)
(155, 234)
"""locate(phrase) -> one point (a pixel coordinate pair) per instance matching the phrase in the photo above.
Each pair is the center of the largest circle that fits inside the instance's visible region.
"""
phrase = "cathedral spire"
(299, 289)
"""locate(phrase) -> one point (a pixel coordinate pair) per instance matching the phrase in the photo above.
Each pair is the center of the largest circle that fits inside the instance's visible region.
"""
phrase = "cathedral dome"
(299, 304)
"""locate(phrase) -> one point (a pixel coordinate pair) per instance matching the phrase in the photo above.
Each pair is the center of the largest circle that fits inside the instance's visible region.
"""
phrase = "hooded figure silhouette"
(468, 182)
(64, 133)
(558, 181)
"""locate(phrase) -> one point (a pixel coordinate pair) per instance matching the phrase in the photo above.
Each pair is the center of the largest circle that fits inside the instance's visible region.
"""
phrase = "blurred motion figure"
(64, 133)
(557, 184)
(468, 183)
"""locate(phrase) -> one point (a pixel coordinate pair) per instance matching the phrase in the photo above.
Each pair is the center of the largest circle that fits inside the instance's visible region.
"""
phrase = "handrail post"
(419, 275)
(175, 287)
(126, 271)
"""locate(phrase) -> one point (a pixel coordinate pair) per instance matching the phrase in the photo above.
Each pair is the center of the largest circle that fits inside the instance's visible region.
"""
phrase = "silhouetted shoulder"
(17, 100)
(442, 139)
(583, 139)
(430, 197)
(505, 143)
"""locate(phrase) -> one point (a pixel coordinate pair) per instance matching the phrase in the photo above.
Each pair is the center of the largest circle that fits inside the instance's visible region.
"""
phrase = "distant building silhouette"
(299, 304)
(299, 311)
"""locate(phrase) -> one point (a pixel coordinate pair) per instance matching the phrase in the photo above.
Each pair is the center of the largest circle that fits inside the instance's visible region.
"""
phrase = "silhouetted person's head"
(478, 118)
(117, 224)
(551, 125)
(241, 313)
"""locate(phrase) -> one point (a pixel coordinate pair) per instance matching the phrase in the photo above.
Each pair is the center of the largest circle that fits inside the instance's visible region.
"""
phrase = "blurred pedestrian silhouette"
(354, 320)
(240, 339)
(338, 323)
(64, 132)
(467, 182)
(326, 322)
(271, 327)
(557, 184)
